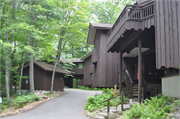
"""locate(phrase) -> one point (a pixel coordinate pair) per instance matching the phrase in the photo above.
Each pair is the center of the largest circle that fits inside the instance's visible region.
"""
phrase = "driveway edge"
(32, 108)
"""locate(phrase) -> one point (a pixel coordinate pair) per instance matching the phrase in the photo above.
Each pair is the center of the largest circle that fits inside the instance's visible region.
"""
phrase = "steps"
(112, 111)
(135, 87)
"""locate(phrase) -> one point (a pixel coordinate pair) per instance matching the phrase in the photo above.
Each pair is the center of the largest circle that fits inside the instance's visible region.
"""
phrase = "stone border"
(33, 107)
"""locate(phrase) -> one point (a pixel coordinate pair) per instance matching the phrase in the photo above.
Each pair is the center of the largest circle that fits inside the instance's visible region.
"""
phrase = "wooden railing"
(134, 12)
(122, 102)
(127, 73)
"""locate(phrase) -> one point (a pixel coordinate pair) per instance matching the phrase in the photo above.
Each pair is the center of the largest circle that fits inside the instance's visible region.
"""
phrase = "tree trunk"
(87, 49)
(0, 47)
(7, 64)
(72, 52)
(11, 39)
(23, 58)
(57, 59)
(31, 62)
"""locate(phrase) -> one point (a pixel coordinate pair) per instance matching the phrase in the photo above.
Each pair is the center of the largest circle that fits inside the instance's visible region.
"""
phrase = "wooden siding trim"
(162, 38)
(170, 31)
(175, 35)
(167, 34)
(178, 17)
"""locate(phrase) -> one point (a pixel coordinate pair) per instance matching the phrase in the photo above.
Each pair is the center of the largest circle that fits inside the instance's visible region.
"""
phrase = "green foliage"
(75, 81)
(107, 11)
(87, 88)
(67, 66)
(5, 104)
(96, 102)
(20, 101)
(155, 108)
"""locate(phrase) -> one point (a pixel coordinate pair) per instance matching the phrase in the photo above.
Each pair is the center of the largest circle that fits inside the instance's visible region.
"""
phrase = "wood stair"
(135, 87)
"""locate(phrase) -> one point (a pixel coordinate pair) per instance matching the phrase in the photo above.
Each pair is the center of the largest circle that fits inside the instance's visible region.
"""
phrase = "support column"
(120, 74)
(140, 69)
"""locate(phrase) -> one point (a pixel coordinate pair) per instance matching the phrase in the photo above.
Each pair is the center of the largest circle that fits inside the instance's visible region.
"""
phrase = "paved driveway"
(68, 106)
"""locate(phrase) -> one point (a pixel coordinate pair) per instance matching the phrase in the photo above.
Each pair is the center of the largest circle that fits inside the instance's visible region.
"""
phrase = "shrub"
(154, 108)
(6, 103)
(96, 102)
(87, 88)
(20, 101)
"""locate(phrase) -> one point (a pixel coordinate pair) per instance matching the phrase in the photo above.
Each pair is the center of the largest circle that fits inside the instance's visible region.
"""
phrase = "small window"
(91, 76)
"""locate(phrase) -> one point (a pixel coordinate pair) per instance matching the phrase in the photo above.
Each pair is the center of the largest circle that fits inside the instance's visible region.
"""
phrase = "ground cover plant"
(96, 102)
(155, 108)
(18, 101)
(87, 88)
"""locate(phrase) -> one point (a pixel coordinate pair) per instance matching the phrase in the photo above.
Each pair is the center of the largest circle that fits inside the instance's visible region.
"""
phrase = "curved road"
(68, 106)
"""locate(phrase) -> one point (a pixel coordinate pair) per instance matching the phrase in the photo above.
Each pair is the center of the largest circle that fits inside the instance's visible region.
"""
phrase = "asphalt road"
(68, 106)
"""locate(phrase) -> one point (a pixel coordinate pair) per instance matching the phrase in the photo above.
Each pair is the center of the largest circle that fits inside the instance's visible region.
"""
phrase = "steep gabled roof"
(92, 30)
(47, 67)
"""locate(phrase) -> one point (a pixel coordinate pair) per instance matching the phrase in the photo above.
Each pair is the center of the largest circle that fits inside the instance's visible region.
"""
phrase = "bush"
(96, 102)
(20, 101)
(155, 108)
(6, 103)
(87, 88)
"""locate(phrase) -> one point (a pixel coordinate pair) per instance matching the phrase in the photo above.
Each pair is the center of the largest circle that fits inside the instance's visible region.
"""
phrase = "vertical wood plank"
(120, 74)
(170, 33)
(166, 24)
(178, 18)
(157, 34)
(140, 69)
(175, 35)
(162, 36)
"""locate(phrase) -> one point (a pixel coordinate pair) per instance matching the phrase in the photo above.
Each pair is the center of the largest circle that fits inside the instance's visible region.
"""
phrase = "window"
(78, 66)
(91, 76)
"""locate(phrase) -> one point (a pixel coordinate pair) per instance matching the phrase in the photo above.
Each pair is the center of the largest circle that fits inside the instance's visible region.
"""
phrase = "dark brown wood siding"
(167, 33)
(87, 71)
(58, 83)
(107, 66)
(79, 71)
(42, 79)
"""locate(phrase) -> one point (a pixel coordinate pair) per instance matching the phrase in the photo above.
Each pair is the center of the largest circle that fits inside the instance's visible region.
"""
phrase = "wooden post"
(131, 93)
(108, 106)
(139, 69)
(143, 93)
(122, 101)
(120, 74)
(127, 16)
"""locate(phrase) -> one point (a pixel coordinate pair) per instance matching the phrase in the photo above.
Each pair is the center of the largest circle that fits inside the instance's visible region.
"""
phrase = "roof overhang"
(92, 30)
(85, 57)
(134, 52)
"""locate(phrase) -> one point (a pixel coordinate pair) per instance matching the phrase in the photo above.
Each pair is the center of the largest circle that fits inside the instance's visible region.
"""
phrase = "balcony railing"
(134, 12)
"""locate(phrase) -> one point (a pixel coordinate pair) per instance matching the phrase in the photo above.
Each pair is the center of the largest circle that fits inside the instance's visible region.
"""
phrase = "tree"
(107, 11)
(69, 28)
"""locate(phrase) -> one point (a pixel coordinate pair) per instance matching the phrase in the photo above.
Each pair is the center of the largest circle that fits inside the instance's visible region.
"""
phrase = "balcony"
(132, 17)
(79, 71)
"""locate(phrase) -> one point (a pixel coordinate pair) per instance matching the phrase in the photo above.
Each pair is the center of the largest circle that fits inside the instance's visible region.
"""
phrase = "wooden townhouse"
(103, 66)
(77, 72)
(147, 37)
(43, 77)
